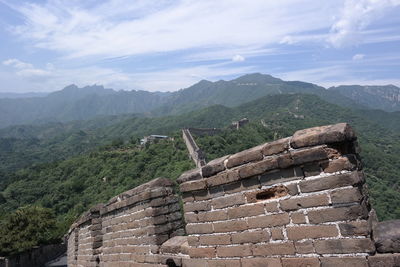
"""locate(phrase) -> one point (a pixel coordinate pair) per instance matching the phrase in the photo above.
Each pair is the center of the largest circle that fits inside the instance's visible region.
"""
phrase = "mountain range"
(73, 103)
(80, 146)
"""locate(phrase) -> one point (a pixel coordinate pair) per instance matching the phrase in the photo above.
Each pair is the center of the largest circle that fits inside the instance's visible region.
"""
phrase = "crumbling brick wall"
(297, 201)
(128, 229)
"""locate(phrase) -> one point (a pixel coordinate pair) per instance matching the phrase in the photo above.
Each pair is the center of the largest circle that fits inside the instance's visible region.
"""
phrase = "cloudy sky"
(166, 45)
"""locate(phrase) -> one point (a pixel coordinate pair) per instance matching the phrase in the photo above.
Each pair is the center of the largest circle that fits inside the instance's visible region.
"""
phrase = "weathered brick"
(340, 164)
(337, 214)
(250, 237)
(388, 259)
(298, 217)
(202, 252)
(193, 185)
(173, 245)
(261, 262)
(304, 247)
(197, 206)
(276, 147)
(193, 262)
(274, 249)
(193, 241)
(330, 182)
(266, 194)
(277, 234)
(251, 183)
(308, 155)
(201, 195)
(223, 263)
(223, 178)
(346, 195)
(252, 154)
(246, 211)
(258, 167)
(233, 187)
(344, 261)
(227, 201)
(234, 251)
(216, 191)
(214, 166)
(269, 220)
(323, 135)
(314, 231)
(211, 216)
(271, 206)
(199, 228)
(276, 177)
(387, 236)
(304, 202)
(215, 239)
(292, 189)
(190, 175)
(299, 262)
(344, 246)
(187, 197)
(355, 228)
(285, 161)
(311, 169)
(230, 226)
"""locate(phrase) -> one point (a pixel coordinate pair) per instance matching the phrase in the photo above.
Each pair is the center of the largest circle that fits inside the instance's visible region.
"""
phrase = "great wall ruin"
(297, 201)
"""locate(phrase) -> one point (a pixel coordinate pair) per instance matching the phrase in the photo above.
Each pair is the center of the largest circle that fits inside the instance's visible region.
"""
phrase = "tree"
(25, 228)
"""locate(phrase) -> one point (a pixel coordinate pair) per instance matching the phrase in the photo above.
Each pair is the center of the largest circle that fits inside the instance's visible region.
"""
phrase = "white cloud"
(83, 33)
(26, 69)
(238, 58)
(358, 57)
(18, 64)
(170, 79)
(355, 16)
(287, 40)
(120, 28)
(334, 75)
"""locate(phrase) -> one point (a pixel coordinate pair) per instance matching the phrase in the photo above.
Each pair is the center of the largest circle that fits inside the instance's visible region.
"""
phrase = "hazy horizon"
(44, 93)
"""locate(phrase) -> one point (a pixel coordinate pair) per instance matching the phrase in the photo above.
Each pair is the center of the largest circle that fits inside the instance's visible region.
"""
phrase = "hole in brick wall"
(171, 263)
(270, 193)
(265, 195)
(97, 261)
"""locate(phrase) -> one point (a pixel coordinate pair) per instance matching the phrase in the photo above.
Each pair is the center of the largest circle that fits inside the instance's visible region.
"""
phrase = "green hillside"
(93, 174)
(384, 97)
(281, 115)
(73, 103)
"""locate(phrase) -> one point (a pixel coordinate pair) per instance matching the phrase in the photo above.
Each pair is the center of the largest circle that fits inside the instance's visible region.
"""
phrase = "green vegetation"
(92, 172)
(27, 227)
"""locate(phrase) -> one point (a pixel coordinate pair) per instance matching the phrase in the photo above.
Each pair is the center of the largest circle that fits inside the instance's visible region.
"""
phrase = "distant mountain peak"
(70, 87)
(257, 77)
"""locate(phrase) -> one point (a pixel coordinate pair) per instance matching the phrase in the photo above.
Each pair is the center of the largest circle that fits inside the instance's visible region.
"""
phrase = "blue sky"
(167, 45)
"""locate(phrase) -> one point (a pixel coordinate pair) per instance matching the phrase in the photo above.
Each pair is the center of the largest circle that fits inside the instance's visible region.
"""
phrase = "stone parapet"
(129, 229)
(297, 201)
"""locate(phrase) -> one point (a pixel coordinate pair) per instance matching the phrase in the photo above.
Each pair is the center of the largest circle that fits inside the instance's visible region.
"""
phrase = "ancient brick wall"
(297, 201)
(196, 154)
(127, 230)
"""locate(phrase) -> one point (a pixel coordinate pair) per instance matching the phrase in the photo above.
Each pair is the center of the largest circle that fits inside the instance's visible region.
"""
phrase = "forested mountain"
(70, 186)
(376, 97)
(73, 103)
(65, 164)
